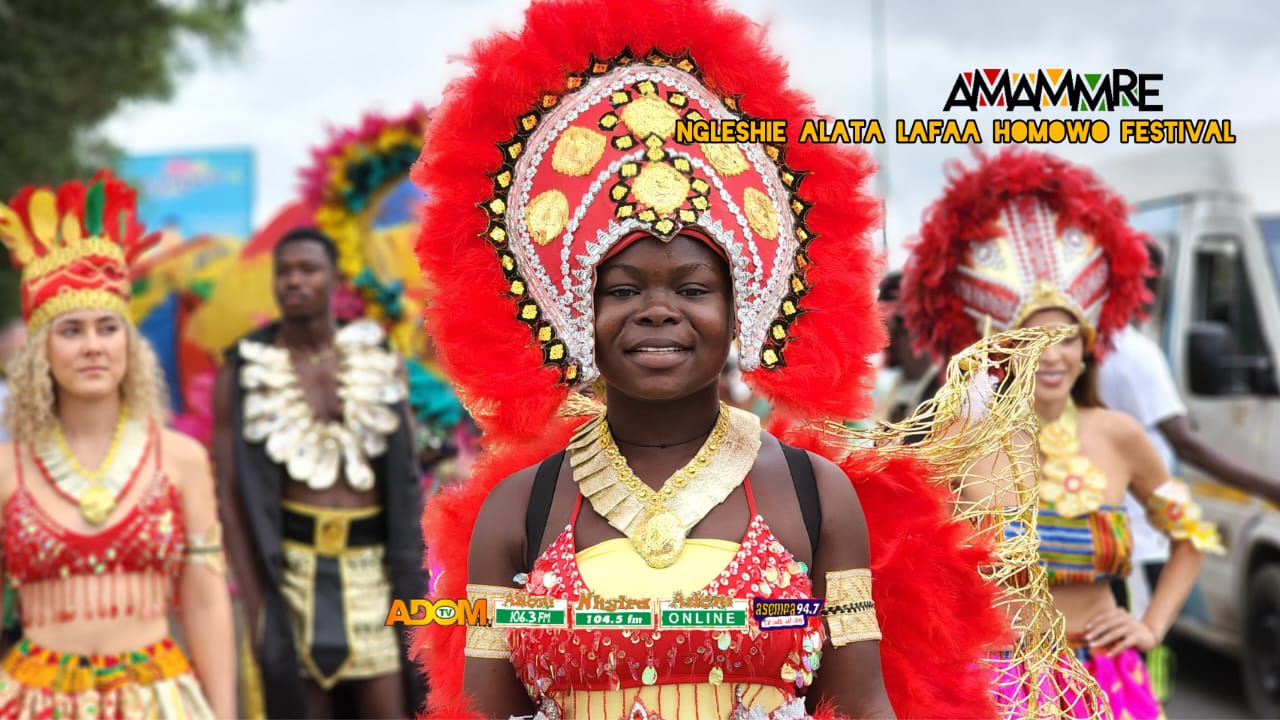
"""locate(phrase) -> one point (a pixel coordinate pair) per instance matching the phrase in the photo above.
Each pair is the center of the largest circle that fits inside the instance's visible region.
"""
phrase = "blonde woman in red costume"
(1025, 240)
(571, 240)
(109, 519)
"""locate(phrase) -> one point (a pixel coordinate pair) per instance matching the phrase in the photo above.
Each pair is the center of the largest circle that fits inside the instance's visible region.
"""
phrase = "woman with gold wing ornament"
(1023, 240)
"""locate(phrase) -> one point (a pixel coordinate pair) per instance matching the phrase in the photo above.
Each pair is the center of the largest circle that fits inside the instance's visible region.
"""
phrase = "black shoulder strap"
(801, 467)
(535, 516)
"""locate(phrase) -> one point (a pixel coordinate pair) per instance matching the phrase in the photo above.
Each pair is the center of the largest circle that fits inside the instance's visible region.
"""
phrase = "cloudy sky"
(310, 65)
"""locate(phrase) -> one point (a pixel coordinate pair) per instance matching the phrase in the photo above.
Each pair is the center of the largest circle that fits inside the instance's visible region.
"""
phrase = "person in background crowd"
(1024, 240)
(109, 520)
(1135, 379)
(915, 376)
(321, 496)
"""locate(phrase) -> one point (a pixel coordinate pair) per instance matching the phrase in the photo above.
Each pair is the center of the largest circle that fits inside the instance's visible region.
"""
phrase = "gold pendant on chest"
(660, 539)
(1070, 484)
(658, 521)
(96, 492)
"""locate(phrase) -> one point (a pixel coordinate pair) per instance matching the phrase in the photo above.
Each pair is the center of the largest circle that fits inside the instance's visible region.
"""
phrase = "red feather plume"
(488, 352)
(936, 613)
(966, 212)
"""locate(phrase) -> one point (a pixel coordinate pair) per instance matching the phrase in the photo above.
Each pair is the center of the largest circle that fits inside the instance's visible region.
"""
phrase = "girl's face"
(663, 318)
(1062, 363)
(88, 353)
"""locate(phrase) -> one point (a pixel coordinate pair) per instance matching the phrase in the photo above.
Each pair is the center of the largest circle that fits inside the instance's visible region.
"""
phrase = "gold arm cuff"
(1172, 511)
(205, 548)
(486, 642)
(850, 611)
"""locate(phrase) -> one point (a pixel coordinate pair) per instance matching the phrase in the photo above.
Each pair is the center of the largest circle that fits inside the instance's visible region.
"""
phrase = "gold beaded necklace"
(679, 479)
(656, 521)
(96, 491)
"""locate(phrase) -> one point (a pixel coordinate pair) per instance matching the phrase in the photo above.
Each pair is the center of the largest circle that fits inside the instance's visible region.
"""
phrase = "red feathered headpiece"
(74, 246)
(560, 144)
(1021, 232)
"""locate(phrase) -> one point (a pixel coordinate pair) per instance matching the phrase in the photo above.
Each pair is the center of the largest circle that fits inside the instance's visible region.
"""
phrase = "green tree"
(68, 65)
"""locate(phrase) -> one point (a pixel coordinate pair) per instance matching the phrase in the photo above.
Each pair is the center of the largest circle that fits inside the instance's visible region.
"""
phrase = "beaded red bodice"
(552, 661)
(149, 538)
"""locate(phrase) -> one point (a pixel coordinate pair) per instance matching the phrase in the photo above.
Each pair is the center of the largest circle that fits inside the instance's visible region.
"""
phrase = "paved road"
(1208, 685)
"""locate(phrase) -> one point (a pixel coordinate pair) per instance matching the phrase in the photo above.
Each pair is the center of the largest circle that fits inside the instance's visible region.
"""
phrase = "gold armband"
(206, 549)
(486, 641)
(850, 612)
(1171, 511)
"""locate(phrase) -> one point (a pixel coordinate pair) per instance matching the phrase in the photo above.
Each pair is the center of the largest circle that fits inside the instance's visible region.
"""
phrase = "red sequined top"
(553, 661)
(149, 538)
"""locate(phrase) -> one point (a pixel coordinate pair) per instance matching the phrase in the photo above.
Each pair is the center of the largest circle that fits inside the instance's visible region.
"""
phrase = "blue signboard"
(194, 193)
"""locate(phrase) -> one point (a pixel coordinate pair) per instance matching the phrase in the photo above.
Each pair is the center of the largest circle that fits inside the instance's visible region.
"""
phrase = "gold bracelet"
(850, 611)
(486, 641)
(1171, 511)
(206, 549)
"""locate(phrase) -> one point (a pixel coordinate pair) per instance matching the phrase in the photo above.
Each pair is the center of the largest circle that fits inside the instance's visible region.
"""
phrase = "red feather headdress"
(1022, 231)
(74, 246)
(580, 103)
(555, 148)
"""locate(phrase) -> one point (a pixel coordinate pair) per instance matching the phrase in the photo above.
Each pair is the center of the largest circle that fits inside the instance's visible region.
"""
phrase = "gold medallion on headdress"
(600, 165)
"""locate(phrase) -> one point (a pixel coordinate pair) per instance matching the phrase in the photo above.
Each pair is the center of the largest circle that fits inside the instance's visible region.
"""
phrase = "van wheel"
(1262, 642)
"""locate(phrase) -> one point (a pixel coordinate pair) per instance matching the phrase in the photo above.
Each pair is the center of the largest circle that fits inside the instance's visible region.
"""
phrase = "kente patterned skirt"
(338, 591)
(154, 682)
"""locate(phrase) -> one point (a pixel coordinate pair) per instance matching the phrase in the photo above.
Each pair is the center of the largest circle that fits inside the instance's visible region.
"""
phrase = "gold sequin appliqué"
(546, 216)
(650, 115)
(726, 158)
(761, 214)
(661, 187)
(577, 151)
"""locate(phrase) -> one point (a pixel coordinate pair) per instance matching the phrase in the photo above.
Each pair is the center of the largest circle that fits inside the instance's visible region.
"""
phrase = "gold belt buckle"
(331, 534)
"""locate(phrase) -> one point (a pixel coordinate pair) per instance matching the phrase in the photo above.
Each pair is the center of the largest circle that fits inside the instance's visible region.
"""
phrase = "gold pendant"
(96, 504)
(659, 539)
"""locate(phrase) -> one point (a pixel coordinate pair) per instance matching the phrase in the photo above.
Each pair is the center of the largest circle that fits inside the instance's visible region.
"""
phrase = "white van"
(1219, 324)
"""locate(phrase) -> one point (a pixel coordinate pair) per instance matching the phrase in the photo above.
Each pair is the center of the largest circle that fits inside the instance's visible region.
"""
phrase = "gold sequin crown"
(75, 246)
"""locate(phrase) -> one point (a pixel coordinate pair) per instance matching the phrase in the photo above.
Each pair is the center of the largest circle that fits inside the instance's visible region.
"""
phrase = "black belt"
(333, 531)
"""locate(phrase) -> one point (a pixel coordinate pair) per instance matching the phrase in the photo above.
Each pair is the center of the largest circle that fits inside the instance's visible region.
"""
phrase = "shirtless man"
(321, 497)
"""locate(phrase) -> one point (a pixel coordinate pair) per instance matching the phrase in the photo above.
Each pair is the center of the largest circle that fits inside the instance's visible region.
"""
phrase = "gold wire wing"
(980, 430)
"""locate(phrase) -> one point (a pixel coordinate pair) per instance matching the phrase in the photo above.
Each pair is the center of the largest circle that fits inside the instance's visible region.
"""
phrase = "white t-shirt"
(1135, 379)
